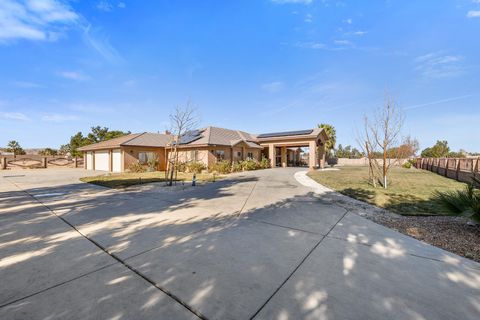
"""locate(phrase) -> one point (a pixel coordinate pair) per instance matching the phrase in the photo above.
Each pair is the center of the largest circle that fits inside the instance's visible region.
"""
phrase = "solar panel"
(286, 133)
(190, 136)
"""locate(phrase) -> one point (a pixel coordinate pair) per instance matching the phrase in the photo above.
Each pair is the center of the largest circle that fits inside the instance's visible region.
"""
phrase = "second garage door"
(117, 160)
(102, 160)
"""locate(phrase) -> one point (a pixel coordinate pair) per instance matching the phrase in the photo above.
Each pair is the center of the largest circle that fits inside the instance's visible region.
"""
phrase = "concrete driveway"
(258, 245)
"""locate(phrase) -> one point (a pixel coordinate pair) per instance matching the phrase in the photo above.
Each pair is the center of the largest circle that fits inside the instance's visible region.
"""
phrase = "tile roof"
(145, 139)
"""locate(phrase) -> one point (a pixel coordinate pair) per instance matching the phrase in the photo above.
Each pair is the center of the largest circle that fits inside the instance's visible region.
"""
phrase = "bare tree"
(182, 121)
(381, 136)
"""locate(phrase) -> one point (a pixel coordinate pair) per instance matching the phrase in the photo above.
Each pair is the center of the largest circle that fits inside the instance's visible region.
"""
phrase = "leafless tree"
(381, 136)
(182, 121)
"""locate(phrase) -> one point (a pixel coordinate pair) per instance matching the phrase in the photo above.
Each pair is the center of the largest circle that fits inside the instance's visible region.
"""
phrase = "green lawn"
(124, 180)
(409, 192)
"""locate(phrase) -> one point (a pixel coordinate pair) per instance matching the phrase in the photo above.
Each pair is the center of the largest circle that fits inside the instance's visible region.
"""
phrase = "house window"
(194, 155)
(250, 155)
(144, 157)
(239, 154)
(220, 155)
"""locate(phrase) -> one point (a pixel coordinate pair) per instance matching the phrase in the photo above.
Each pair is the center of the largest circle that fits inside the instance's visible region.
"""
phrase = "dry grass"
(410, 191)
(123, 180)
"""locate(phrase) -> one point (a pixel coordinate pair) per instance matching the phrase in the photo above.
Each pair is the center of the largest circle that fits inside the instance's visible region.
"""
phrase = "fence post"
(446, 166)
(75, 162)
(457, 168)
(4, 163)
(44, 162)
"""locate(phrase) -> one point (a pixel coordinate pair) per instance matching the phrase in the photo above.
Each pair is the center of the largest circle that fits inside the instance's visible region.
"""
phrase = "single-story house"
(207, 145)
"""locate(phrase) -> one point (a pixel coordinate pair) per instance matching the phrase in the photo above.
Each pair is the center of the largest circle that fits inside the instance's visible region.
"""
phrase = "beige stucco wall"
(130, 155)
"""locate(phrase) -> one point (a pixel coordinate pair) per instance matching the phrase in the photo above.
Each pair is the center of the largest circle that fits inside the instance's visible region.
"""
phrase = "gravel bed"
(453, 234)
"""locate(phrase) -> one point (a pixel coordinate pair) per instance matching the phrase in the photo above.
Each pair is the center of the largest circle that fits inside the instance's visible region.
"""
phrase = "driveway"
(259, 245)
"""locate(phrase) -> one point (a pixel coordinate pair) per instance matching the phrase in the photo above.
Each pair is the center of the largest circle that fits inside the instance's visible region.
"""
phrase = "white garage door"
(117, 160)
(101, 160)
(89, 161)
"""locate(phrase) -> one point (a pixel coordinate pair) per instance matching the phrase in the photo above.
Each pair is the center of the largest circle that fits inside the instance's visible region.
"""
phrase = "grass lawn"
(123, 180)
(409, 192)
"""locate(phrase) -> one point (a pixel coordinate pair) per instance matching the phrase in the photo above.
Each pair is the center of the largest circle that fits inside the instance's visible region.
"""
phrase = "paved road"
(260, 245)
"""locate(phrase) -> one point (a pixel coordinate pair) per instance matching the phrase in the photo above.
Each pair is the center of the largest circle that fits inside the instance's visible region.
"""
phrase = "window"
(194, 155)
(144, 157)
(220, 155)
(250, 155)
(239, 154)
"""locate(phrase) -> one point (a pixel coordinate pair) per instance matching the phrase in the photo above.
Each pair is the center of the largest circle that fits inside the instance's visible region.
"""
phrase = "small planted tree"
(380, 136)
(182, 121)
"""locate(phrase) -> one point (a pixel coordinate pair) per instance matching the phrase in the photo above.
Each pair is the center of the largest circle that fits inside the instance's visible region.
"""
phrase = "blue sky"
(257, 66)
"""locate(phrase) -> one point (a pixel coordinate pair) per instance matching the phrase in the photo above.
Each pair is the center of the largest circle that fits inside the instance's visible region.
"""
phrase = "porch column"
(284, 156)
(243, 153)
(312, 157)
(271, 154)
(321, 155)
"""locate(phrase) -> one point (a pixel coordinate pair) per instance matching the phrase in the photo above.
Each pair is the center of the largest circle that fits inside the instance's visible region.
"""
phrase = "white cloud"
(40, 20)
(101, 44)
(308, 18)
(437, 65)
(122, 5)
(273, 87)
(431, 103)
(104, 6)
(14, 116)
(355, 33)
(73, 75)
(292, 1)
(473, 14)
(311, 45)
(25, 84)
(348, 21)
(342, 42)
(56, 117)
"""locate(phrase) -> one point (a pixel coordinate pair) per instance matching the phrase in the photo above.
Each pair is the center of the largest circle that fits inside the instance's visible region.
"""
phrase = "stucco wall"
(130, 155)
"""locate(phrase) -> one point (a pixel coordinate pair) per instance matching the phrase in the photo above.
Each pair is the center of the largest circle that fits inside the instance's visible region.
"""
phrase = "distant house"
(207, 145)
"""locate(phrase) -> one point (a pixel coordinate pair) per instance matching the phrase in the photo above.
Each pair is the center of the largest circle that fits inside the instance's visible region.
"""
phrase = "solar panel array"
(190, 136)
(286, 133)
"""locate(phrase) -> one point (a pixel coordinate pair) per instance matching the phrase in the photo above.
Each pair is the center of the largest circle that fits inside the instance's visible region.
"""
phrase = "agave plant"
(464, 202)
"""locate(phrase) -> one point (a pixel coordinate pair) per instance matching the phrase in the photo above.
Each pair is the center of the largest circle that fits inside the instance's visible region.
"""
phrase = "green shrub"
(153, 164)
(248, 165)
(464, 203)
(195, 167)
(136, 167)
(407, 165)
(223, 166)
(237, 167)
(264, 163)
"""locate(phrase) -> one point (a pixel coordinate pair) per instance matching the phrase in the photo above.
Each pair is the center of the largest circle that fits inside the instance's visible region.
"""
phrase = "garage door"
(102, 160)
(117, 160)
(89, 161)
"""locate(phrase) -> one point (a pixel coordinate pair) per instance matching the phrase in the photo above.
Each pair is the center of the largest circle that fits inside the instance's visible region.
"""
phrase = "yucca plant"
(464, 202)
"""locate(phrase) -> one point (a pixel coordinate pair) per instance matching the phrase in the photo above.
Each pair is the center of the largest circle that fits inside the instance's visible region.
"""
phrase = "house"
(207, 145)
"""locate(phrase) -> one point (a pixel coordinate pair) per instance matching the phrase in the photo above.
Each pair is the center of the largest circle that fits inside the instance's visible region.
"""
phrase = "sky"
(258, 66)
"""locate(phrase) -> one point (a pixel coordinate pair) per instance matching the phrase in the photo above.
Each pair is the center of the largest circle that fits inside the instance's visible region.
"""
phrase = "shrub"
(153, 164)
(464, 202)
(195, 167)
(407, 165)
(136, 167)
(248, 165)
(237, 167)
(223, 166)
(264, 163)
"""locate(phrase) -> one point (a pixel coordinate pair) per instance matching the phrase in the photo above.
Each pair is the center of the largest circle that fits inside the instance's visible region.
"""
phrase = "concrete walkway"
(260, 245)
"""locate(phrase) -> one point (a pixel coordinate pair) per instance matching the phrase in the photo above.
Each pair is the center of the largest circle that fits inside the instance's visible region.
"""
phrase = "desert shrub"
(136, 167)
(248, 165)
(223, 166)
(464, 202)
(331, 161)
(181, 167)
(237, 167)
(195, 167)
(407, 165)
(264, 163)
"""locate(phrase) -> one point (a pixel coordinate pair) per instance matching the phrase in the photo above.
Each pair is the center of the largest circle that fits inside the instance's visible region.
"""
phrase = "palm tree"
(332, 134)
(14, 146)
(464, 202)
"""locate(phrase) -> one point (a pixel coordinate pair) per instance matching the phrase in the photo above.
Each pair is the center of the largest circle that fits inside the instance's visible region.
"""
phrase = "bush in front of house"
(264, 163)
(136, 167)
(194, 167)
(223, 166)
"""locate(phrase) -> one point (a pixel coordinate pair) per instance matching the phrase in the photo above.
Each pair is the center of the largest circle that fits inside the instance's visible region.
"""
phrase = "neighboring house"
(207, 145)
